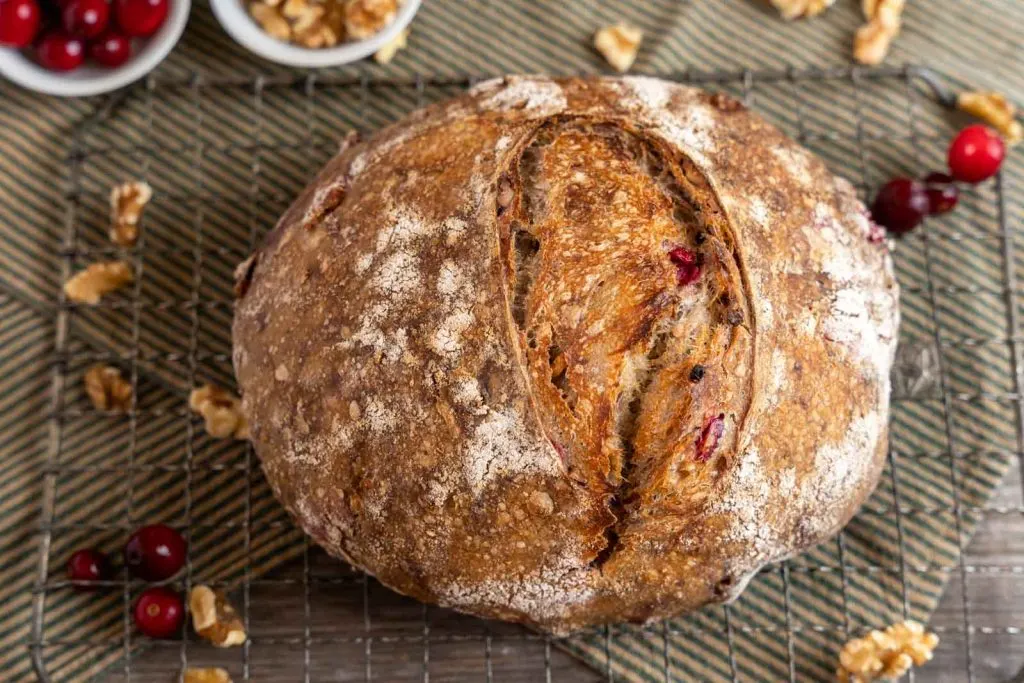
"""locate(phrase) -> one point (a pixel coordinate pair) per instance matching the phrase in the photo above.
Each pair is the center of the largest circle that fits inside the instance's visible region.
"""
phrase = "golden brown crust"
(570, 352)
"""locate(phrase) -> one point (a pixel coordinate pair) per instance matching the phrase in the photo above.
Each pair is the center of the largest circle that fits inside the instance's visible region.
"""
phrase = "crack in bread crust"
(649, 206)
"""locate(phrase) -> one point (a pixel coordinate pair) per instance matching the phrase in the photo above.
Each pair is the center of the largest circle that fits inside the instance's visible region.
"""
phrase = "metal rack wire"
(224, 167)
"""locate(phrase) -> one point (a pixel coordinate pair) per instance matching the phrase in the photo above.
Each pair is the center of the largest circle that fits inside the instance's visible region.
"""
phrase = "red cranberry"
(687, 270)
(86, 567)
(111, 49)
(19, 22)
(85, 18)
(155, 552)
(560, 449)
(140, 17)
(159, 612)
(60, 52)
(900, 205)
(876, 233)
(942, 192)
(707, 442)
(976, 154)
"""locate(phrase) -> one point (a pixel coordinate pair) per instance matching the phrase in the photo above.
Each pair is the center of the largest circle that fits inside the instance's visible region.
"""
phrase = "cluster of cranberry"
(975, 154)
(153, 553)
(63, 31)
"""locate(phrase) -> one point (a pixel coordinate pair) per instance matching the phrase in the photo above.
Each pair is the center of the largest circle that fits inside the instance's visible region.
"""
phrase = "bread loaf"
(567, 352)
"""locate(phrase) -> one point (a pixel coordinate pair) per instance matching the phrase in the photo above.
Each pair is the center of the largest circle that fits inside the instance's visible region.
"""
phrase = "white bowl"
(91, 79)
(235, 19)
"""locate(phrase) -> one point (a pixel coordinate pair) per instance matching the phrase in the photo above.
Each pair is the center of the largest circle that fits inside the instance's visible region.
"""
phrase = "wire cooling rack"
(225, 158)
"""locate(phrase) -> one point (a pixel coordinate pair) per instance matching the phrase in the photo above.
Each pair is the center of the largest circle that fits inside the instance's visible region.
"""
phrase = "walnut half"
(995, 110)
(364, 18)
(270, 20)
(221, 411)
(90, 285)
(107, 389)
(619, 45)
(127, 202)
(207, 675)
(885, 655)
(214, 618)
(797, 9)
(388, 51)
(872, 40)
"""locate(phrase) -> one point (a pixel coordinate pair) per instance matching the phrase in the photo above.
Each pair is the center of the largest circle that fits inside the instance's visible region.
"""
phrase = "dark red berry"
(140, 17)
(900, 205)
(976, 154)
(58, 51)
(685, 261)
(943, 193)
(159, 612)
(111, 49)
(155, 552)
(560, 449)
(85, 18)
(19, 22)
(86, 567)
(876, 233)
(707, 442)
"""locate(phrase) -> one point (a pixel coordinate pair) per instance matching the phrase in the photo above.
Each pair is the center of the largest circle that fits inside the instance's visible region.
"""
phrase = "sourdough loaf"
(567, 352)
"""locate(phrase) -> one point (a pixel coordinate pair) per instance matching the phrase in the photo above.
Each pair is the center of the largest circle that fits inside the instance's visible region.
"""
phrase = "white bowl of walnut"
(314, 33)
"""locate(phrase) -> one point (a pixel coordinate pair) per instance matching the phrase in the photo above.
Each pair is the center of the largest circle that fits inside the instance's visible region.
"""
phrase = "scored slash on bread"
(567, 352)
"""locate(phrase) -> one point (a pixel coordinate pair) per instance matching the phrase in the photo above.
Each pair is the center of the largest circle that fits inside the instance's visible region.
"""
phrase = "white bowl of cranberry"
(86, 47)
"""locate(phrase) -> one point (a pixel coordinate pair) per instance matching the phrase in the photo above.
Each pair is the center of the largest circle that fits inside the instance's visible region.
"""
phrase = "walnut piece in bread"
(569, 352)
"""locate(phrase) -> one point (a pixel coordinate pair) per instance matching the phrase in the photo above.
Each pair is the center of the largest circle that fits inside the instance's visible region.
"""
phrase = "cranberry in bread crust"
(568, 352)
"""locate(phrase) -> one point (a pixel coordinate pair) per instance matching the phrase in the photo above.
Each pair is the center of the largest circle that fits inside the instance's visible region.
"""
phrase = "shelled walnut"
(873, 39)
(323, 23)
(127, 201)
(221, 411)
(797, 9)
(886, 655)
(107, 389)
(995, 110)
(214, 618)
(391, 48)
(206, 675)
(270, 20)
(98, 279)
(619, 45)
(364, 18)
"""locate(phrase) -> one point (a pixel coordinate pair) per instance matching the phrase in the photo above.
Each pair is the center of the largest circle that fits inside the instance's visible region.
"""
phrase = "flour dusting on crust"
(862, 321)
(795, 160)
(502, 446)
(538, 97)
(689, 124)
(746, 490)
(551, 591)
